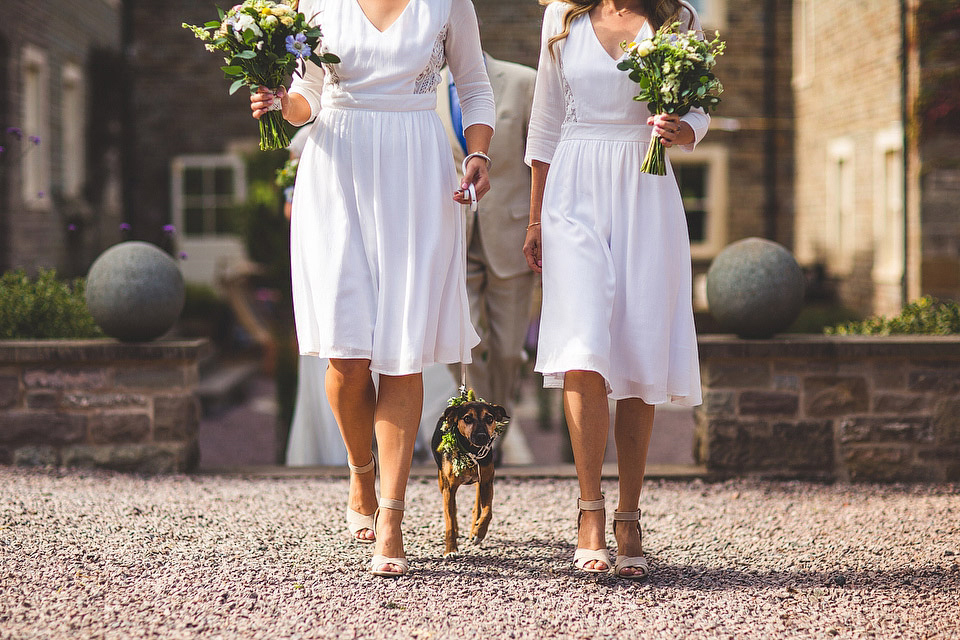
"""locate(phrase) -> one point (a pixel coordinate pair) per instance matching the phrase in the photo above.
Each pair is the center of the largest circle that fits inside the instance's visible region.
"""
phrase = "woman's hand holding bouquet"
(264, 42)
(674, 71)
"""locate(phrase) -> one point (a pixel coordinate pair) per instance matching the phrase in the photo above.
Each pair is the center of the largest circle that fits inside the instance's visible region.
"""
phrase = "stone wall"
(100, 403)
(837, 408)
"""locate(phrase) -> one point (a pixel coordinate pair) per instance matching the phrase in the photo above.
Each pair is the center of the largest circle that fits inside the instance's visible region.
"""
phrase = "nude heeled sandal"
(378, 562)
(582, 556)
(356, 521)
(638, 563)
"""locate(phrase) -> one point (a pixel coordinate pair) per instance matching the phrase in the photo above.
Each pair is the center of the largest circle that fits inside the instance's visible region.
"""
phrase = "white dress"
(617, 285)
(376, 239)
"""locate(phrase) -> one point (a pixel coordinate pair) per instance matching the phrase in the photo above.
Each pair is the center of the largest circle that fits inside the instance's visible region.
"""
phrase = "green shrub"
(927, 316)
(44, 307)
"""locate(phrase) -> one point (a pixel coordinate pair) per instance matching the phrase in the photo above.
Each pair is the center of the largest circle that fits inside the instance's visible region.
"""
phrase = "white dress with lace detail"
(617, 282)
(428, 81)
(376, 239)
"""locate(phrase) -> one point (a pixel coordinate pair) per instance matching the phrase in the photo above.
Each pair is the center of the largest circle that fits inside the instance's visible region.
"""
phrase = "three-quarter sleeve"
(697, 118)
(465, 57)
(547, 113)
(310, 85)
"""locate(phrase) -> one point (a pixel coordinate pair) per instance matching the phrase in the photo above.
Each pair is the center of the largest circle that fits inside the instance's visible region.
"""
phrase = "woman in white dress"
(376, 237)
(612, 244)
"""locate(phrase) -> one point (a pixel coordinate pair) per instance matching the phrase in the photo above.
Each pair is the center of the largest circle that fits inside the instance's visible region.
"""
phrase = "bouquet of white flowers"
(673, 70)
(264, 42)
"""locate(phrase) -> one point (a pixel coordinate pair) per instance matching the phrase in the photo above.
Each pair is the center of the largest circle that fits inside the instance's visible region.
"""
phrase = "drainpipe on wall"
(907, 150)
(770, 206)
(5, 182)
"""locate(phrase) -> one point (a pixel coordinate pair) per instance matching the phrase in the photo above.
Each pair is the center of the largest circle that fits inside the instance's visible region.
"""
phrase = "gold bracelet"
(533, 224)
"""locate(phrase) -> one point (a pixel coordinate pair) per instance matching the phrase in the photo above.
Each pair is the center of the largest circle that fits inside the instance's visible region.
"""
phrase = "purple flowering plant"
(264, 42)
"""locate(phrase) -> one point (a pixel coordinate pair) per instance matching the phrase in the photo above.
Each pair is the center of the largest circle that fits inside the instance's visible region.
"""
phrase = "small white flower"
(245, 22)
(645, 48)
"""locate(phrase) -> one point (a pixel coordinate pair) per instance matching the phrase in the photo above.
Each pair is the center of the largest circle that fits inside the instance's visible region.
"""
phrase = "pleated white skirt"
(617, 289)
(376, 243)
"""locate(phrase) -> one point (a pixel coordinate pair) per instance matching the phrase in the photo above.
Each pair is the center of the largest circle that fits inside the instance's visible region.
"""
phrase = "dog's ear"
(499, 413)
(451, 415)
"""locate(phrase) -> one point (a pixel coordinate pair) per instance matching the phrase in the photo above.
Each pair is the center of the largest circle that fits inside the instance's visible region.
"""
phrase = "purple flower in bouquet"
(297, 45)
(124, 226)
(169, 229)
(16, 132)
(34, 139)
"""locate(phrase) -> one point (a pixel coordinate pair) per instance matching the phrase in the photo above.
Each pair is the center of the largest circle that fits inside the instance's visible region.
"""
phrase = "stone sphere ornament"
(135, 292)
(755, 288)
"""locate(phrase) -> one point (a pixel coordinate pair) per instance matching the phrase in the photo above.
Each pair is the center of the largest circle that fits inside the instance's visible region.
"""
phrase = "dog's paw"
(451, 555)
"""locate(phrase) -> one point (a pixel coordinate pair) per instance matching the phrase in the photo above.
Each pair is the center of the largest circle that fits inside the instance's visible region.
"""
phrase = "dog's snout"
(480, 437)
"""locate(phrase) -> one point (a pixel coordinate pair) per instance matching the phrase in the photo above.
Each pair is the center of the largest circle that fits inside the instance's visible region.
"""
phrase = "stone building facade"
(877, 126)
(60, 126)
(836, 135)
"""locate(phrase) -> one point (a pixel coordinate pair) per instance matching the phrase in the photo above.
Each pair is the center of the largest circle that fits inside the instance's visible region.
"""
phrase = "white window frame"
(889, 206)
(712, 13)
(804, 50)
(715, 157)
(73, 120)
(206, 161)
(35, 159)
(840, 229)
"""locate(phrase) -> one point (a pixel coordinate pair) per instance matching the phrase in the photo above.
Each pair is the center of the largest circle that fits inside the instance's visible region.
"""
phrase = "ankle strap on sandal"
(364, 468)
(387, 503)
(591, 505)
(627, 516)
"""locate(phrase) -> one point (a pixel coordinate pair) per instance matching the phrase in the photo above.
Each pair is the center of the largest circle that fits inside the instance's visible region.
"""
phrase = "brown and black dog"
(474, 428)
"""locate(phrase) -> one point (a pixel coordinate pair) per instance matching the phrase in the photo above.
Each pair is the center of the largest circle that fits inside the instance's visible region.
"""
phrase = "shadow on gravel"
(717, 579)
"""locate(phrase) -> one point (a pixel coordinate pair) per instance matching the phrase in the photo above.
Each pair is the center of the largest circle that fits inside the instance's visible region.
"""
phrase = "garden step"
(224, 385)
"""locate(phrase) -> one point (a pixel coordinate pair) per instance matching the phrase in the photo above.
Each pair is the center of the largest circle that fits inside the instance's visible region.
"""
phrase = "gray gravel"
(97, 555)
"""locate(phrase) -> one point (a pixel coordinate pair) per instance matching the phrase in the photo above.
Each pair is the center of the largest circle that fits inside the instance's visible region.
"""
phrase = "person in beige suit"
(499, 283)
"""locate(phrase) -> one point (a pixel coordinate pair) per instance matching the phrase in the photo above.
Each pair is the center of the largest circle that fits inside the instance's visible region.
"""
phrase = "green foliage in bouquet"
(926, 316)
(674, 72)
(44, 307)
(264, 42)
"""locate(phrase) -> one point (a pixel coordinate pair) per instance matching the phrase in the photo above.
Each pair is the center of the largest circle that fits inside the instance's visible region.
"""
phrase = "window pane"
(692, 179)
(193, 181)
(226, 220)
(193, 220)
(697, 225)
(223, 181)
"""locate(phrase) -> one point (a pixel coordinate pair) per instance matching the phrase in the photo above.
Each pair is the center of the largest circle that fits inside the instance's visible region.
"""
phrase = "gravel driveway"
(98, 555)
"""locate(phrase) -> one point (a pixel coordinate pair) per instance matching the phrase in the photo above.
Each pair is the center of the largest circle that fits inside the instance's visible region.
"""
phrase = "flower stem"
(655, 162)
(273, 135)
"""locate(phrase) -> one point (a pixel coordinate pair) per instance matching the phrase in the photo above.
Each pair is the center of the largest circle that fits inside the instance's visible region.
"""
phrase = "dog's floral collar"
(449, 444)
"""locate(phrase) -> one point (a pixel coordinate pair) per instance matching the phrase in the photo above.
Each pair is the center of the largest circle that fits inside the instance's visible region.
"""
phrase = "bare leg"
(588, 419)
(353, 399)
(632, 430)
(397, 419)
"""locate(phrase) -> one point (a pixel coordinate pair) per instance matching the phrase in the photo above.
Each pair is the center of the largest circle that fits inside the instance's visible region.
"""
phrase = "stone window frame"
(889, 208)
(712, 13)
(804, 50)
(35, 165)
(840, 227)
(716, 158)
(73, 120)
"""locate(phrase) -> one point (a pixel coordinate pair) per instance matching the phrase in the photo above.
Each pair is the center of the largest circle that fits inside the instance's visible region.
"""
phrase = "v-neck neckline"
(367, 19)
(596, 38)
